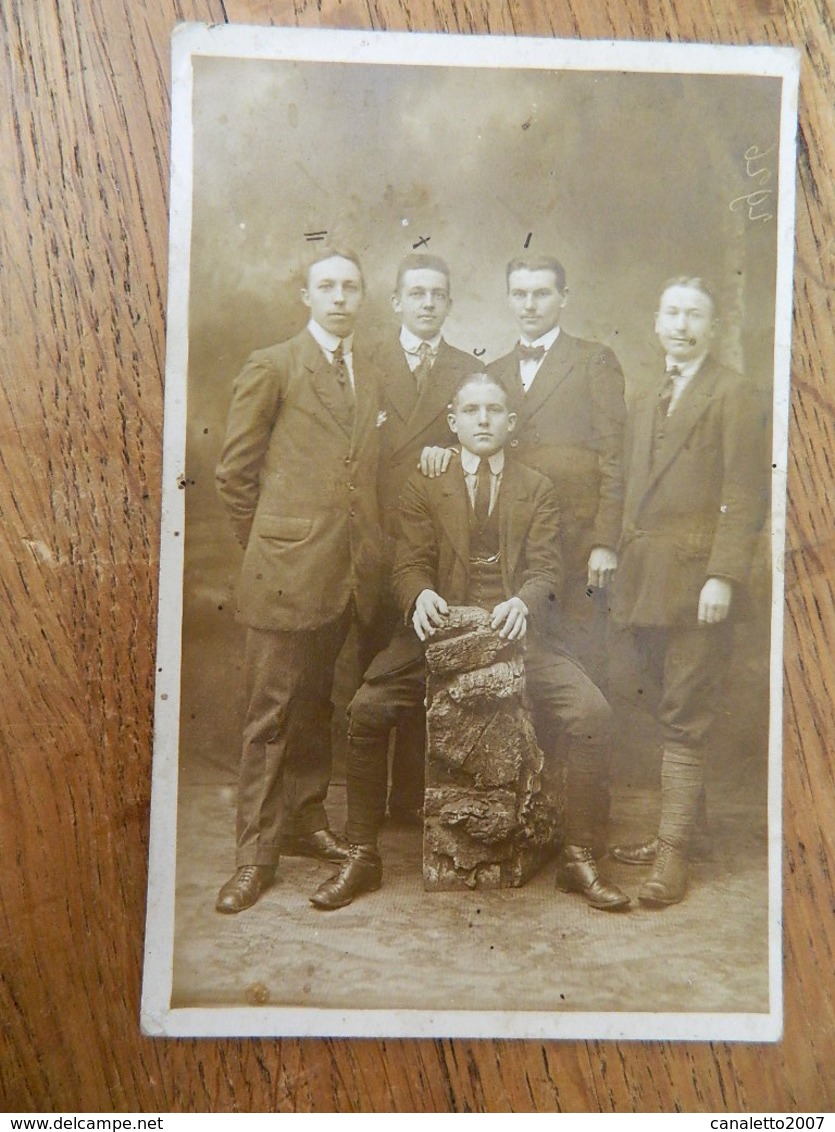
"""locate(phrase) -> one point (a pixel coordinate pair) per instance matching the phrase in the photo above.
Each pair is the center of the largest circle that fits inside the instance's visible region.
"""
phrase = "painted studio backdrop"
(629, 179)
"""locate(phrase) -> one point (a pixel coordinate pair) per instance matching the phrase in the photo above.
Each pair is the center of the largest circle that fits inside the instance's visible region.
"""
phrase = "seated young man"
(485, 534)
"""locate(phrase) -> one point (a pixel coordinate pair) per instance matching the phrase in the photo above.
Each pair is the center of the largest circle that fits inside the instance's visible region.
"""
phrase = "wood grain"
(83, 184)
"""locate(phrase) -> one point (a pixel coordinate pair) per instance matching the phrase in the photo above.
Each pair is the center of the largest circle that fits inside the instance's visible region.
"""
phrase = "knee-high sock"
(682, 783)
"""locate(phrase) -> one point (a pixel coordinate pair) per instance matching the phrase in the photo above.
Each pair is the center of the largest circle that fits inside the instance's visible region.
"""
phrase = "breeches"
(691, 665)
(565, 703)
(688, 667)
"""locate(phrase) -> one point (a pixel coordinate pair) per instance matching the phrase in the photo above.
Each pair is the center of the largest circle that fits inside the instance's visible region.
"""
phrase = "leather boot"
(321, 845)
(362, 872)
(667, 882)
(577, 872)
(643, 853)
(699, 848)
(243, 889)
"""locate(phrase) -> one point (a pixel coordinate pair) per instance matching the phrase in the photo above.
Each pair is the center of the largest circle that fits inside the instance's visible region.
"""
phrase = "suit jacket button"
(514, 444)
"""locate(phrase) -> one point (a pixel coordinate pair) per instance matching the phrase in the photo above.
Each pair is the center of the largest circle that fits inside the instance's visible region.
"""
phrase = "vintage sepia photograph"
(469, 672)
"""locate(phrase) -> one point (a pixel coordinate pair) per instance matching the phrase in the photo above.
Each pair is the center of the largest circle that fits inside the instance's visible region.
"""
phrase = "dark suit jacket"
(433, 546)
(696, 511)
(570, 428)
(413, 423)
(299, 484)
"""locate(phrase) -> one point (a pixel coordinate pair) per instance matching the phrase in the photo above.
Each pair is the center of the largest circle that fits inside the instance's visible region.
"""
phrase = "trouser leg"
(572, 704)
(367, 781)
(286, 757)
(408, 762)
(584, 635)
(409, 755)
(373, 712)
(308, 772)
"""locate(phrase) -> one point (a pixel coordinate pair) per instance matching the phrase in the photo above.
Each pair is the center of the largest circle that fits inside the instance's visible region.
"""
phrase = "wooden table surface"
(84, 189)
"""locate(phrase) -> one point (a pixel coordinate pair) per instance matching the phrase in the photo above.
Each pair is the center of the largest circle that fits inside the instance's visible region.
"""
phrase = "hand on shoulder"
(434, 461)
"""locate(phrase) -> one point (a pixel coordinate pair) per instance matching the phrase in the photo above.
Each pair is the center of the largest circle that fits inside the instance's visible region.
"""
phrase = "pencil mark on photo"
(756, 202)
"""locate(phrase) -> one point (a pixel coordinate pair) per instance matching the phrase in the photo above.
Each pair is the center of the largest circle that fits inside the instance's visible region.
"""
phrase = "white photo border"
(191, 41)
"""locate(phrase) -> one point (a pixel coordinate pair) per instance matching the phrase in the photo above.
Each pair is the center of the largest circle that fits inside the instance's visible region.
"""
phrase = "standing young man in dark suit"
(298, 477)
(696, 499)
(570, 429)
(421, 372)
(485, 533)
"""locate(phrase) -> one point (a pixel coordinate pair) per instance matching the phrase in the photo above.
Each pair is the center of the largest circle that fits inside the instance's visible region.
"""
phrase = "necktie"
(343, 378)
(424, 367)
(667, 389)
(483, 484)
(529, 353)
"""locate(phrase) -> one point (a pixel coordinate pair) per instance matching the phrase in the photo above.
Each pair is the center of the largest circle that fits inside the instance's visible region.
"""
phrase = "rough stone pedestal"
(491, 817)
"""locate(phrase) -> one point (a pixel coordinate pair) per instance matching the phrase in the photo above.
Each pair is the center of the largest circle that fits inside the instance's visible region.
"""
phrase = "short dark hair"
(421, 262)
(537, 263)
(482, 377)
(330, 251)
(697, 284)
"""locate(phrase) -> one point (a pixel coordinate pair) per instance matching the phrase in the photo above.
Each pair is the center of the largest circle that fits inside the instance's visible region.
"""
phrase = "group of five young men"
(384, 489)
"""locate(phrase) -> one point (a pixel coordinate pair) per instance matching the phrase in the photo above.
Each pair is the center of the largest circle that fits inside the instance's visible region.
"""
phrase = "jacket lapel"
(514, 519)
(399, 383)
(323, 382)
(694, 403)
(432, 401)
(418, 413)
(514, 516)
(454, 511)
(366, 400)
(556, 366)
(507, 370)
(640, 455)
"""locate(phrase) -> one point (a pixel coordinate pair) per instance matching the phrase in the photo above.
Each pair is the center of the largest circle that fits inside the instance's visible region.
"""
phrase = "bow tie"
(529, 353)
(673, 371)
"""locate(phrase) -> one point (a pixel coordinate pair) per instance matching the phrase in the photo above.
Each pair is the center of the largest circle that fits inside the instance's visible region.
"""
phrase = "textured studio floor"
(524, 949)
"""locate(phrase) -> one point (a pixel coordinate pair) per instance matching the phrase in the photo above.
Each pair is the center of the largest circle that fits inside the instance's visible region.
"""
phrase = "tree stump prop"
(493, 808)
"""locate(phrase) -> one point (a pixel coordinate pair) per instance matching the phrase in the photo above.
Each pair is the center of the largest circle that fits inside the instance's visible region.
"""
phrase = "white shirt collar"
(470, 462)
(546, 340)
(411, 343)
(690, 368)
(328, 341)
